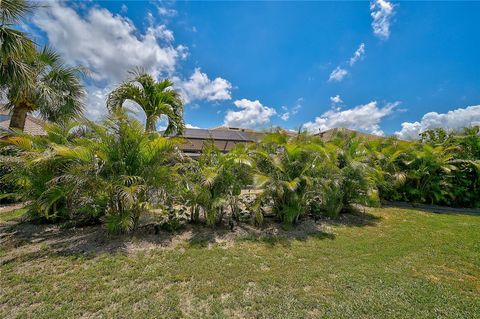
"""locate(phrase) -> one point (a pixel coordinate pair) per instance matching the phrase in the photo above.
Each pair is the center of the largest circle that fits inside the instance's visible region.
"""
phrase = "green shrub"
(285, 172)
(442, 168)
(106, 171)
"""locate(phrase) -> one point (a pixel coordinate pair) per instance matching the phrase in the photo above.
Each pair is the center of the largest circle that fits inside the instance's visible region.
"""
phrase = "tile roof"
(216, 134)
(33, 125)
(329, 134)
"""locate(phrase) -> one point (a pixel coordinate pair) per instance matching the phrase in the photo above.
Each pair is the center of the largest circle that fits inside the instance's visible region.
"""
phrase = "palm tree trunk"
(19, 115)
(150, 125)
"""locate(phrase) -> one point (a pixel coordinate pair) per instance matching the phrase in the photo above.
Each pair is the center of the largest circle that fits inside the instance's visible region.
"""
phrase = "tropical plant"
(350, 179)
(32, 166)
(53, 89)
(16, 48)
(112, 169)
(213, 183)
(427, 168)
(441, 168)
(238, 171)
(285, 172)
(387, 157)
(157, 99)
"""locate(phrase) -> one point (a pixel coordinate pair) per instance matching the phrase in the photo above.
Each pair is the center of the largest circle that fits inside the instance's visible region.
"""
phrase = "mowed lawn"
(408, 264)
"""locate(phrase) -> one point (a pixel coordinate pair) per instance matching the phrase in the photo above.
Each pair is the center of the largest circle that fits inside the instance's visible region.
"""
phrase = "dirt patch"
(23, 240)
(9, 207)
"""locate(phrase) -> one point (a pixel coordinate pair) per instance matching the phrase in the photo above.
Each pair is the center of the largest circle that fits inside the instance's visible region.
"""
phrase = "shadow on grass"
(285, 241)
(25, 241)
(274, 233)
(355, 218)
(435, 209)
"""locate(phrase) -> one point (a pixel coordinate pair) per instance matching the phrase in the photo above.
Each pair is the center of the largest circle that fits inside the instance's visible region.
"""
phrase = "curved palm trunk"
(19, 115)
(150, 125)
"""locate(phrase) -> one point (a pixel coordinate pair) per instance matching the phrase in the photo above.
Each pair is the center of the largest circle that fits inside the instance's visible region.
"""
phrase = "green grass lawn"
(409, 264)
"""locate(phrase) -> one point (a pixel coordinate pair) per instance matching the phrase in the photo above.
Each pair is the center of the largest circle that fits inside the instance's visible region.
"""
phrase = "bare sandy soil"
(9, 207)
(23, 239)
(19, 238)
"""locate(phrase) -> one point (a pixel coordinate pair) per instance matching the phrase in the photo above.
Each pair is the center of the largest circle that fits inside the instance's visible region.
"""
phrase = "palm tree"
(15, 45)
(352, 160)
(387, 158)
(52, 89)
(429, 171)
(87, 170)
(285, 174)
(214, 182)
(155, 98)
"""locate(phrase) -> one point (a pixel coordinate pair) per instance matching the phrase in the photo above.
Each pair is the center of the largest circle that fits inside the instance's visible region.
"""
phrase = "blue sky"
(380, 67)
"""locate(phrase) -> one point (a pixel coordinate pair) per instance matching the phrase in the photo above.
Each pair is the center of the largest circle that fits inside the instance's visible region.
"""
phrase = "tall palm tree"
(52, 89)
(15, 45)
(155, 98)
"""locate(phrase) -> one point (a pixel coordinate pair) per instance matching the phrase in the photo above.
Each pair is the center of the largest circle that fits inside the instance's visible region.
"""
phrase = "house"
(33, 125)
(224, 138)
(329, 134)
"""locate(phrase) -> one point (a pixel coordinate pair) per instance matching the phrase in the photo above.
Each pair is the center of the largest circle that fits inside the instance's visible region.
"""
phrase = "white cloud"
(456, 119)
(338, 74)
(285, 116)
(291, 111)
(252, 115)
(359, 53)
(96, 98)
(166, 12)
(336, 99)
(365, 118)
(163, 123)
(382, 12)
(109, 45)
(200, 87)
(296, 108)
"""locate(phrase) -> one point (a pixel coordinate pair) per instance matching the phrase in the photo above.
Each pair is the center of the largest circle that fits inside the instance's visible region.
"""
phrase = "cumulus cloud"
(252, 114)
(359, 53)
(110, 44)
(382, 12)
(365, 118)
(96, 99)
(338, 74)
(336, 99)
(107, 44)
(452, 120)
(200, 87)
